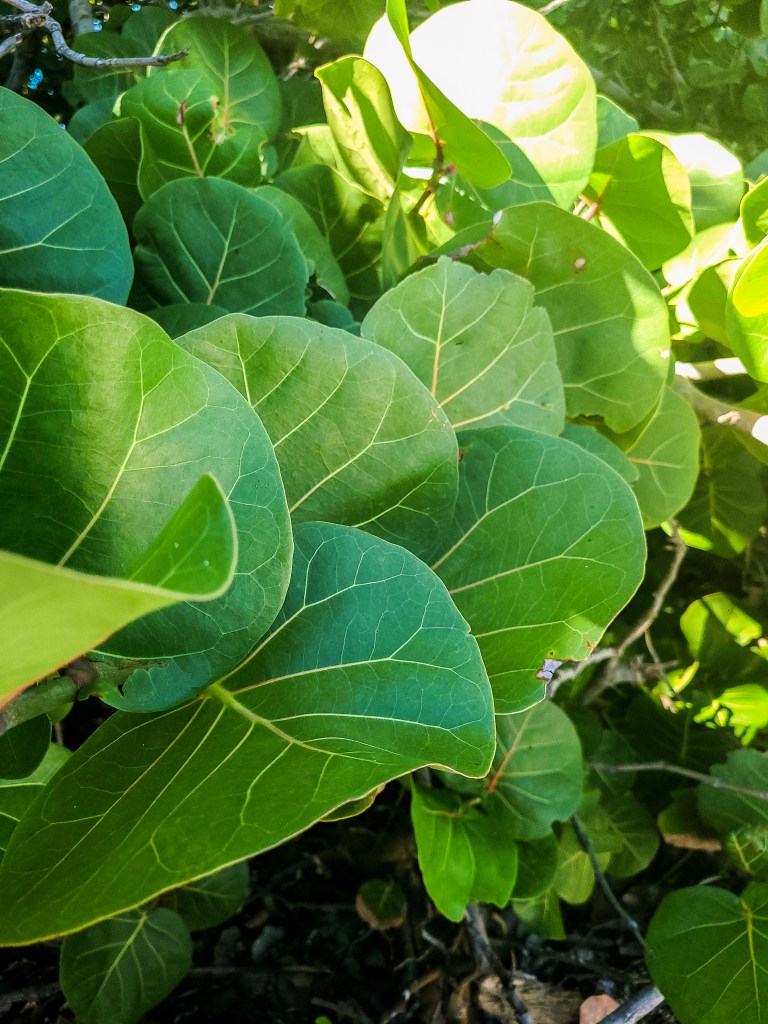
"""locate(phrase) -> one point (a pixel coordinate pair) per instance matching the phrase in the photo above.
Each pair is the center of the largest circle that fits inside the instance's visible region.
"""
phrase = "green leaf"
(314, 246)
(716, 176)
(350, 219)
(536, 867)
(370, 140)
(536, 773)
(630, 822)
(211, 241)
(119, 969)
(16, 795)
(359, 441)
(643, 196)
(115, 149)
(613, 122)
(545, 548)
(236, 68)
(502, 63)
(89, 84)
(106, 425)
(24, 746)
(747, 313)
(729, 505)
(478, 344)
(706, 952)
(665, 452)
(51, 614)
(542, 916)
(351, 20)
(211, 900)
(725, 810)
(85, 121)
(610, 339)
(575, 878)
(60, 229)
(368, 673)
(716, 624)
(754, 213)
(465, 852)
(747, 850)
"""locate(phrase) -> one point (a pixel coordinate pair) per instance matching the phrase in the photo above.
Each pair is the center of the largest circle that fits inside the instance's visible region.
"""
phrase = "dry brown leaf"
(596, 1008)
(690, 841)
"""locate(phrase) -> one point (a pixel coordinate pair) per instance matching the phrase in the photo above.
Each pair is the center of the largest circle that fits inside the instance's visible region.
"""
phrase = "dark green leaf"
(120, 968)
(211, 241)
(368, 673)
(24, 746)
(60, 229)
(16, 795)
(706, 952)
(211, 900)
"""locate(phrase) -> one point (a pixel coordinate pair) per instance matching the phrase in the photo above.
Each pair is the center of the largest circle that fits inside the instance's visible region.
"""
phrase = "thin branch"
(637, 1008)
(602, 881)
(33, 17)
(686, 773)
(552, 6)
(9, 45)
(488, 965)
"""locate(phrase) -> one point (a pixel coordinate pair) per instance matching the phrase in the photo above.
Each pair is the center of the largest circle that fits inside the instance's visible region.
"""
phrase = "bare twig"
(552, 6)
(602, 881)
(487, 962)
(686, 773)
(37, 17)
(637, 1008)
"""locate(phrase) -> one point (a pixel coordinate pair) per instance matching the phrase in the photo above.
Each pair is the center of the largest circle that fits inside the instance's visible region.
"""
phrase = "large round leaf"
(707, 950)
(545, 548)
(211, 241)
(60, 229)
(503, 63)
(368, 673)
(537, 772)
(609, 319)
(106, 426)
(359, 441)
(476, 342)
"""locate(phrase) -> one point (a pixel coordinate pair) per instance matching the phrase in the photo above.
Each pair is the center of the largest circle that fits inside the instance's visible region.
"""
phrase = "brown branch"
(488, 966)
(637, 1008)
(712, 410)
(686, 773)
(37, 17)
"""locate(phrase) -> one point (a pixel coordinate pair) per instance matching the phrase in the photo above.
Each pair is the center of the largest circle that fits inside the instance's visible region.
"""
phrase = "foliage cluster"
(335, 414)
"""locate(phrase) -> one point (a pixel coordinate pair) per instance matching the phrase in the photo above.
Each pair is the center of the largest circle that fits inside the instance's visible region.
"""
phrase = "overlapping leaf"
(545, 548)
(358, 439)
(120, 968)
(60, 229)
(368, 673)
(707, 950)
(16, 795)
(106, 426)
(211, 241)
(476, 342)
(516, 72)
(609, 320)
(643, 195)
(52, 614)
